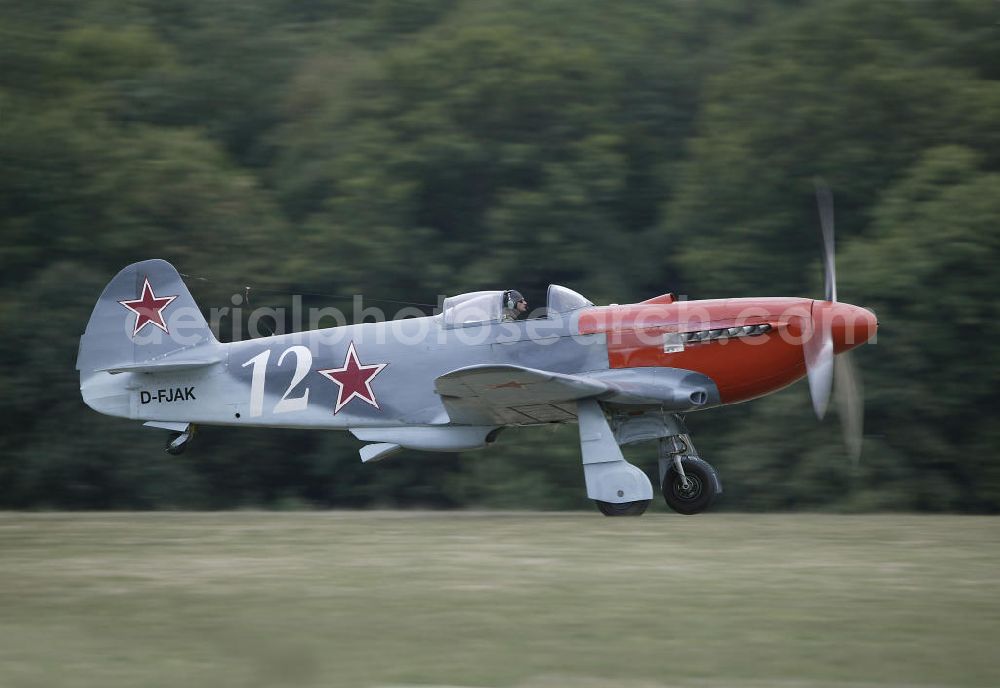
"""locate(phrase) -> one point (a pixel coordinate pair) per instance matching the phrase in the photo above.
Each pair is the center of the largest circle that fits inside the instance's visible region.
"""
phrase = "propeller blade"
(824, 199)
(817, 346)
(850, 405)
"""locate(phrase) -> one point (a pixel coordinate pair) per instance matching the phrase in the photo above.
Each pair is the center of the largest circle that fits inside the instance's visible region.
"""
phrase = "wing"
(513, 395)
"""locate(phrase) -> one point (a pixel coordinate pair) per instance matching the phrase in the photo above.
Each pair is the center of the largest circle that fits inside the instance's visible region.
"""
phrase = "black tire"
(624, 509)
(700, 492)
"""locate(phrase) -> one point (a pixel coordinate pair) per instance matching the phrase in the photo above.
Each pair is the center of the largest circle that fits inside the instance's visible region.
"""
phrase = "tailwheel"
(176, 443)
(624, 509)
(695, 490)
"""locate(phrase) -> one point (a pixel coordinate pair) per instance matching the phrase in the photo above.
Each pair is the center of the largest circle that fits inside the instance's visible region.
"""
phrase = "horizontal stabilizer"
(172, 426)
(163, 366)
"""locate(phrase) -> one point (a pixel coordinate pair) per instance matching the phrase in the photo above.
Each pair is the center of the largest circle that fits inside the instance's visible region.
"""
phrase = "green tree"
(401, 150)
(849, 92)
(930, 270)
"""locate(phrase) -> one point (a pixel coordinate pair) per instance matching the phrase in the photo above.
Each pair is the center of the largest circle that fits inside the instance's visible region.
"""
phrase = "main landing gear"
(627, 509)
(688, 483)
(618, 487)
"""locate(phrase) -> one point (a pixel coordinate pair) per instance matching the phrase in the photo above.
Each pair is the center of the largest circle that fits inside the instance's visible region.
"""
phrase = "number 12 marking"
(287, 404)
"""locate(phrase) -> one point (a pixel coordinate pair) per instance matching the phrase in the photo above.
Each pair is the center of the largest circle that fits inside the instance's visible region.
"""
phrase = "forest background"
(404, 149)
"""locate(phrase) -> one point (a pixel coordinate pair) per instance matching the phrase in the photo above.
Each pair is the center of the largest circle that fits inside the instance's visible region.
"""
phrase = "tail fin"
(146, 321)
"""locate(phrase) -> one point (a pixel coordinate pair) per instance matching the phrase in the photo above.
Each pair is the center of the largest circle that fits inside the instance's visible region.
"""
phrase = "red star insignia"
(513, 384)
(354, 379)
(148, 308)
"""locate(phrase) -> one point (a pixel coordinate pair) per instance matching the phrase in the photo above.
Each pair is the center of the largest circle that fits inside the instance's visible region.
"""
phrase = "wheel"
(624, 509)
(700, 491)
(179, 449)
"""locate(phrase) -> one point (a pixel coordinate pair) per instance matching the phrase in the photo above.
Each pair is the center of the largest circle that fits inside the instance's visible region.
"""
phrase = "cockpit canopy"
(479, 307)
(564, 300)
(472, 308)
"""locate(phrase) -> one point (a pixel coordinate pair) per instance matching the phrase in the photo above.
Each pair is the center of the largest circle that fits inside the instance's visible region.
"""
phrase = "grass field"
(498, 599)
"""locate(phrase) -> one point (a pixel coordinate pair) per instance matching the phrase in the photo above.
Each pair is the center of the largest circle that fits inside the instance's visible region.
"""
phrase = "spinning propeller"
(832, 329)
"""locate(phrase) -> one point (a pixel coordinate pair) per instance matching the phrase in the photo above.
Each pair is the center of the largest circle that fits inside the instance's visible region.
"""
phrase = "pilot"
(513, 305)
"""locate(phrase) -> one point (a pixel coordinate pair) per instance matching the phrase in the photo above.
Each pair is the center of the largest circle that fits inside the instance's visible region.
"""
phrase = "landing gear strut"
(616, 486)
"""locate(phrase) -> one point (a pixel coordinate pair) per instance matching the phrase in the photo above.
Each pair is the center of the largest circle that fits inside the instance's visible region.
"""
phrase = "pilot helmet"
(511, 298)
